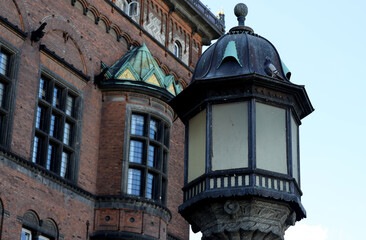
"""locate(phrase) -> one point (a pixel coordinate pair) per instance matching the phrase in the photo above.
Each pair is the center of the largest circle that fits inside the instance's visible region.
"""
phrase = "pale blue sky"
(323, 44)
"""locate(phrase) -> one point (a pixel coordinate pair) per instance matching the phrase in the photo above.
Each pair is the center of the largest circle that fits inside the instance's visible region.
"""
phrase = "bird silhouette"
(271, 70)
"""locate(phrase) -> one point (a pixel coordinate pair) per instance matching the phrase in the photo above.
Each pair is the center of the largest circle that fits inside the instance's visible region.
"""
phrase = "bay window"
(147, 157)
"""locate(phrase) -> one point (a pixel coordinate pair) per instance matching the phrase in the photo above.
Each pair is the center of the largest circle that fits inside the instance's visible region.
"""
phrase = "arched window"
(178, 49)
(133, 9)
(30, 225)
(33, 229)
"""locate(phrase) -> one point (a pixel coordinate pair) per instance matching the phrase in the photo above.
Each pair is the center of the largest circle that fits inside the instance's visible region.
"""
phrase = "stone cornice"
(13, 27)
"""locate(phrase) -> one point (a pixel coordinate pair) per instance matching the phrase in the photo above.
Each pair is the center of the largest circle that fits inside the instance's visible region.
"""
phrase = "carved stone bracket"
(239, 219)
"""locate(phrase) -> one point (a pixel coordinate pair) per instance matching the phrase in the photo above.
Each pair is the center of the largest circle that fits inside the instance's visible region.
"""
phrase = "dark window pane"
(153, 130)
(2, 94)
(64, 163)
(136, 149)
(166, 136)
(4, 63)
(165, 161)
(134, 182)
(43, 89)
(56, 101)
(137, 125)
(54, 126)
(1, 121)
(163, 191)
(68, 133)
(150, 187)
(36, 151)
(152, 160)
(41, 116)
(70, 102)
(50, 156)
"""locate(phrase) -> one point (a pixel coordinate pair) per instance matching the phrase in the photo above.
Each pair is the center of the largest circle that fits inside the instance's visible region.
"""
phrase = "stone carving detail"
(231, 207)
(254, 219)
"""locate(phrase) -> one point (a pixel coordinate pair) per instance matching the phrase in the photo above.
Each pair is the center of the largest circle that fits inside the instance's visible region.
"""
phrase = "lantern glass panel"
(230, 136)
(197, 146)
(295, 154)
(271, 138)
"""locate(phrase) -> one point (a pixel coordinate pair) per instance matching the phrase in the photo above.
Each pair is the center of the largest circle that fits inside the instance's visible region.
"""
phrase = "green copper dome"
(138, 68)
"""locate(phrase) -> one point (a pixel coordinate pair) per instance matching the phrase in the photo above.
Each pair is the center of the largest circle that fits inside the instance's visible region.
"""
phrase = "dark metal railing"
(207, 13)
(240, 180)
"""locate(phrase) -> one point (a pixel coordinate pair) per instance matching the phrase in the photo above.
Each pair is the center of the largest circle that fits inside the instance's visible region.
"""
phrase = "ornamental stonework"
(254, 219)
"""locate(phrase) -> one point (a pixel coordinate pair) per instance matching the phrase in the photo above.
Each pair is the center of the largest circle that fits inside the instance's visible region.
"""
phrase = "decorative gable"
(126, 75)
(153, 80)
(139, 66)
(171, 89)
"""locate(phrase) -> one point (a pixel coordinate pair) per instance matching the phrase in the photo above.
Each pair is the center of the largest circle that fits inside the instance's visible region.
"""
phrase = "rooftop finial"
(241, 11)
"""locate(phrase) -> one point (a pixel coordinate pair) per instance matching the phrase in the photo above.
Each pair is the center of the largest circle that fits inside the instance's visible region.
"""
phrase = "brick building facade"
(89, 146)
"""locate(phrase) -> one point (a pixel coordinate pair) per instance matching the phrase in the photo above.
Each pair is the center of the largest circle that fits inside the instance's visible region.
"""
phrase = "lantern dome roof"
(240, 64)
(240, 52)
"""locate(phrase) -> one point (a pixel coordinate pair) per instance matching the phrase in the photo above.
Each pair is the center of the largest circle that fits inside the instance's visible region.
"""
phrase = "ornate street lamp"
(242, 114)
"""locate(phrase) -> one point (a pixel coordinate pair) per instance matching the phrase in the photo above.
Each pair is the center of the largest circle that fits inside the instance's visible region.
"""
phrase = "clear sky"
(323, 43)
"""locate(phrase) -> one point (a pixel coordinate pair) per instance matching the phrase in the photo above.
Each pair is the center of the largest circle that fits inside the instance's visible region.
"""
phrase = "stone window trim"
(133, 9)
(178, 49)
(161, 169)
(35, 229)
(56, 130)
(10, 57)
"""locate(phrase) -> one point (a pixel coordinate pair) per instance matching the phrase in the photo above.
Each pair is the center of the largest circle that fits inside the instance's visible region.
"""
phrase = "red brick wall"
(11, 12)
(111, 148)
(126, 220)
(80, 42)
(176, 179)
(21, 192)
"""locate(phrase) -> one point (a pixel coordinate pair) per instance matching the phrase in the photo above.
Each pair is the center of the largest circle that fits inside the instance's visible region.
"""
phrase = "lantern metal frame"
(251, 181)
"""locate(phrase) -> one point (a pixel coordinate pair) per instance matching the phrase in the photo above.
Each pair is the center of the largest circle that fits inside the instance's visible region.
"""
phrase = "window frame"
(137, 9)
(41, 237)
(46, 139)
(7, 102)
(159, 170)
(178, 52)
(36, 234)
(25, 230)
